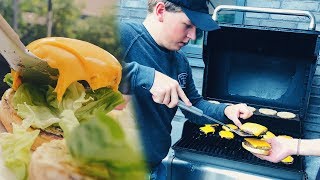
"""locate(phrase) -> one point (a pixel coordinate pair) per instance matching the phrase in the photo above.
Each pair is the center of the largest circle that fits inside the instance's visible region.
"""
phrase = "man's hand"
(281, 148)
(167, 91)
(234, 112)
(124, 104)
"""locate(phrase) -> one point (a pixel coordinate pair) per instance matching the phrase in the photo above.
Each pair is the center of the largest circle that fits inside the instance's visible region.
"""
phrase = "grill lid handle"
(312, 25)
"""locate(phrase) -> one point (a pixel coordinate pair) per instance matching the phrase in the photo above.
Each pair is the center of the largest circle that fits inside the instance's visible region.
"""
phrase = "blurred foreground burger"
(85, 89)
(43, 107)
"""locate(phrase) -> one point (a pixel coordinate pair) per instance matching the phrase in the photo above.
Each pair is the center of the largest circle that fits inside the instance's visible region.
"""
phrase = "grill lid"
(263, 67)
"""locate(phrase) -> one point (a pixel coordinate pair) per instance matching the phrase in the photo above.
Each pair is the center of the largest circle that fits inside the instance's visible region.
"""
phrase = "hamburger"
(75, 60)
(254, 128)
(256, 146)
(34, 114)
(95, 149)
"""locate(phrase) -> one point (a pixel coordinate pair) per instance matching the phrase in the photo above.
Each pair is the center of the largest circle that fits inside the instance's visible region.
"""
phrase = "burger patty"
(259, 147)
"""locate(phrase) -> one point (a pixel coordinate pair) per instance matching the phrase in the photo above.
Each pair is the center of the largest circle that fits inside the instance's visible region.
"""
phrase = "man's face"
(178, 30)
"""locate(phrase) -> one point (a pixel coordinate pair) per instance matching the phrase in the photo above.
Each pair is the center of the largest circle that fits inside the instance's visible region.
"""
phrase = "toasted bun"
(50, 161)
(256, 146)
(267, 111)
(286, 115)
(8, 115)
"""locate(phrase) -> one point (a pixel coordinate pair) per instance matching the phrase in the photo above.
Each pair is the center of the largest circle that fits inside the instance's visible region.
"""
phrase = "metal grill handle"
(312, 25)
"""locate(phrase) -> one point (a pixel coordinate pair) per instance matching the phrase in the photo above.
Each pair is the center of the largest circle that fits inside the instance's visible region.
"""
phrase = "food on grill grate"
(268, 135)
(256, 146)
(287, 160)
(208, 128)
(254, 128)
(226, 134)
(251, 108)
(267, 111)
(232, 126)
(286, 115)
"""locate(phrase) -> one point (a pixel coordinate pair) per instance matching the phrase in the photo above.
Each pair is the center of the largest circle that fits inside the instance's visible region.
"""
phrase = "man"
(157, 75)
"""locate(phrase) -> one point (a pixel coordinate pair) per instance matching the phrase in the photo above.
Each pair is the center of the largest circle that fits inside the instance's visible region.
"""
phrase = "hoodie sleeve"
(136, 75)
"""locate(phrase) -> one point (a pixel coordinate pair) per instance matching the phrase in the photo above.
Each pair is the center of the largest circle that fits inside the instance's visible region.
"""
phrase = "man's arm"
(164, 89)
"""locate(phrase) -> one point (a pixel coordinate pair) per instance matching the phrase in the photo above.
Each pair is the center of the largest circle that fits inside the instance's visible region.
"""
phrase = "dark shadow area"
(4, 69)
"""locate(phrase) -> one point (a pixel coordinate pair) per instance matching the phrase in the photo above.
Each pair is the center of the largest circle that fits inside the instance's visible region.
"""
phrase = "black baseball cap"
(198, 13)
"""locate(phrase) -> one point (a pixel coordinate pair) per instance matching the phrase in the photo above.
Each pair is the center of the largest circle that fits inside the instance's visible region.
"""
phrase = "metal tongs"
(199, 112)
(20, 59)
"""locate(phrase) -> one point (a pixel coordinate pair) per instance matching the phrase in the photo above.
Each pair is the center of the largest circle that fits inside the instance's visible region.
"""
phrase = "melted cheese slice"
(232, 126)
(254, 128)
(226, 134)
(286, 136)
(16, 79)
(268, 135)
(257, 142)
(288, 159)
(78, 60)
(207, 129)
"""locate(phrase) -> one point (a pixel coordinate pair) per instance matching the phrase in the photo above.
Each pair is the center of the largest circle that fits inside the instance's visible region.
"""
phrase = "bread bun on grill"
(8, 116)
(256, 146)
(267, 111)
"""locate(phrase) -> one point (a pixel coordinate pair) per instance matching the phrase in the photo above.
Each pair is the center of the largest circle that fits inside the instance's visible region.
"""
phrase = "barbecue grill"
(265, 67)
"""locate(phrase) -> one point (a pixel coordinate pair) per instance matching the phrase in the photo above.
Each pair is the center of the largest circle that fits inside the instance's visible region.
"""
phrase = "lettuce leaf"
(31, 95)
(73, 99)
(103, 99)
(8, 79)
(16, 150)
(68, 122)
(39, 108)
(101, 144)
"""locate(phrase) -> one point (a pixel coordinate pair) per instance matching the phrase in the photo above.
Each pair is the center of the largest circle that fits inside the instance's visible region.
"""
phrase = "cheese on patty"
(78, 60)
(207, 129)
(253, 128)
(257, 143)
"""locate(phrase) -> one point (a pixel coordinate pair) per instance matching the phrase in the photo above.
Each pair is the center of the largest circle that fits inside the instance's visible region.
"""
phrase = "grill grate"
(212, 145)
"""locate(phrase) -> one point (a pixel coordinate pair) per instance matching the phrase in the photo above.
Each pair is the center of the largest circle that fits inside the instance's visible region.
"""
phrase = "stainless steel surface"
(19, 58)
(188, 170)
(199, 112)
(312, 24)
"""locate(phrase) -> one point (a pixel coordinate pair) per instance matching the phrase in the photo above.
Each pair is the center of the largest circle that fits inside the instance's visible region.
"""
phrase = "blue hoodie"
(142, 56)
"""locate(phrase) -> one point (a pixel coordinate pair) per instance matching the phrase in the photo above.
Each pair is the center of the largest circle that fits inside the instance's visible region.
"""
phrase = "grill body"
(264, 68)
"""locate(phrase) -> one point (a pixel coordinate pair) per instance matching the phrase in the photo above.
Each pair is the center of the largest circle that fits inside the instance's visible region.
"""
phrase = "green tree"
(101, 31)
(67, 22)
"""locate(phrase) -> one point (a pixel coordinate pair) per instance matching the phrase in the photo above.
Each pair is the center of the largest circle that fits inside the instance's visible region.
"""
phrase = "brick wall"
(286, 21)
(132, 10)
